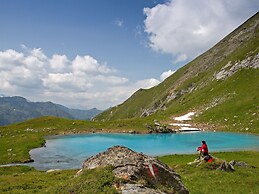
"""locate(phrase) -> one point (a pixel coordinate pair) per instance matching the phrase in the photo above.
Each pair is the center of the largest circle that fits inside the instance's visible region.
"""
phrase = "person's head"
(203, 142)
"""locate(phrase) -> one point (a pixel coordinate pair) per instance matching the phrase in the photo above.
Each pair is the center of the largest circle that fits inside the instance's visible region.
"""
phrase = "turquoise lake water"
(68, 152)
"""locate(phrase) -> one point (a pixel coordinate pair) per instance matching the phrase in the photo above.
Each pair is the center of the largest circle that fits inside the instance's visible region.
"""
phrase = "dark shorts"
(205, 154)
(207, 157)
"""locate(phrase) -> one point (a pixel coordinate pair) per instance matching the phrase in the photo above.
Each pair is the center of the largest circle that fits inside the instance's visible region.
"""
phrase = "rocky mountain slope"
(221, 86)
(17, 109)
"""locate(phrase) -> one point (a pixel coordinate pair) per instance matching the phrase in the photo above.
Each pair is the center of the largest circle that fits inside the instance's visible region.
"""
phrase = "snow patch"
(185, 117)
(183, 126)
(180, 124)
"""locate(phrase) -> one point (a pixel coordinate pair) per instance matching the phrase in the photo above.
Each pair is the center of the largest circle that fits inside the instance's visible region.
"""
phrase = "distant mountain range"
(16, 109)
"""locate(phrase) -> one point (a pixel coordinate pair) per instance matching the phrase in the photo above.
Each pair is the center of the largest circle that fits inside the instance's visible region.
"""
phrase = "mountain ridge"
(17, 109)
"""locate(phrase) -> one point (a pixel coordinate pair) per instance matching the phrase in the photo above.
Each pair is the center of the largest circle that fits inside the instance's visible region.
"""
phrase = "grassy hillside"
(231, 103)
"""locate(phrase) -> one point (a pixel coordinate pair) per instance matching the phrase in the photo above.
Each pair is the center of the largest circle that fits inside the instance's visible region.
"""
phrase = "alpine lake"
(68, 152)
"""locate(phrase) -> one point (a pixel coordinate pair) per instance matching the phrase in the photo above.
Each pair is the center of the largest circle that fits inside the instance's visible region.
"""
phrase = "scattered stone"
(135, 189)
(132, 132)
(29, 129)
(225, 167)
(238, 163)
(135, 167)
(52, 170)
(219, 164)
(29, 161)
(79, 173)
(156, 123)
(159, 128)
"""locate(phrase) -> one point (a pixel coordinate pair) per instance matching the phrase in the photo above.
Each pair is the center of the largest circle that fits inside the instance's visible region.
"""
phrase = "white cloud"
(180, 58)
(87, 64)
(166, 74)
(119, 22)
(58, 82)
(59, 62)
(147, 83)
(79, 83)
(36, 59)
(10, 58)
(187, 28)
(111, 79)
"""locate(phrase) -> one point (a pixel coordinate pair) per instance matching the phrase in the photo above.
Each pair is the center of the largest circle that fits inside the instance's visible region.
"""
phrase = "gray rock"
(229, 70)
(224, 166)
(159, 128)
(238, 163)
(52, 170)
(135, 167)
(138, 189)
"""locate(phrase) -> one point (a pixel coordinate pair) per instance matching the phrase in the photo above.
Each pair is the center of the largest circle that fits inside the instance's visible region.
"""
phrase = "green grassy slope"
(195, 88)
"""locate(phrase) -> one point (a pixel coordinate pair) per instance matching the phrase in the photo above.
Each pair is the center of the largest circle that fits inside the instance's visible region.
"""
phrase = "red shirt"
(204, 148)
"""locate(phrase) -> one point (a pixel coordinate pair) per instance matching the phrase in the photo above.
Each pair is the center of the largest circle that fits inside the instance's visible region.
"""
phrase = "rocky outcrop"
(140, 173)
(229, 69)
(158, 128)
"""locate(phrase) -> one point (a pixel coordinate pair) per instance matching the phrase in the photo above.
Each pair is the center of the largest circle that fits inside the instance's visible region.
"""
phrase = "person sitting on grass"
(203, 150)
(203, 155)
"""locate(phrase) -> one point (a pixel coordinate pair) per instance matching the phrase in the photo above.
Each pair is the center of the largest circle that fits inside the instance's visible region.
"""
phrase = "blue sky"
(90, 27)
(96, 53)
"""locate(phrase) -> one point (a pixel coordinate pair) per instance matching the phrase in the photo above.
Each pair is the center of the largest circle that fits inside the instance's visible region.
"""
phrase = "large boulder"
(138, 171)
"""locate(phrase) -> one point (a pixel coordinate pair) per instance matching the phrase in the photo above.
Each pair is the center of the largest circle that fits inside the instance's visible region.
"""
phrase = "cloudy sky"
(96, 53)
